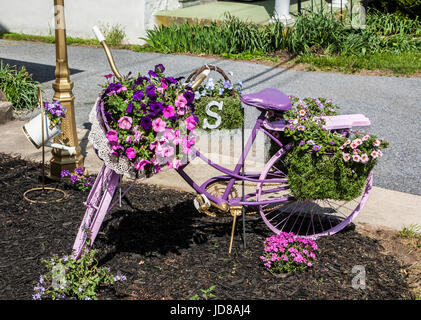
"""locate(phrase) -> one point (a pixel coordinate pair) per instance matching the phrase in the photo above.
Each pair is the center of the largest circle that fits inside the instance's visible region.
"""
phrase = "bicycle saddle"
(268, 99)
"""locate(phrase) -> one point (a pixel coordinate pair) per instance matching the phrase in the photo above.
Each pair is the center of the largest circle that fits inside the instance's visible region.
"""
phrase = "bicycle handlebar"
(104, 44)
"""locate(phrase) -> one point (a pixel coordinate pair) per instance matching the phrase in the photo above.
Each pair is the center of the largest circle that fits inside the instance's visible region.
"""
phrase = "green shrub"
(114, 35)
(18, 87)
(411, 8)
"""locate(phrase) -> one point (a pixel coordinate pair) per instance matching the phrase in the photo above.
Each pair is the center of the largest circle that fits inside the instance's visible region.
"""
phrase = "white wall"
(36, 16)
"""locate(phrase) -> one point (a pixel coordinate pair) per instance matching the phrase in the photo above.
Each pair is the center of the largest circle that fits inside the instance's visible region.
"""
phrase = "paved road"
(393, 104)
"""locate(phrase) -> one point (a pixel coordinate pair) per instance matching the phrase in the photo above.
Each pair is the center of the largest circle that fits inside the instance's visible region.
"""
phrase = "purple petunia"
(146, 122)
(159, 68)
(316, 147)
(80, 170)
(65, 173)
(129, 108)
(138, 95)
(74, 178)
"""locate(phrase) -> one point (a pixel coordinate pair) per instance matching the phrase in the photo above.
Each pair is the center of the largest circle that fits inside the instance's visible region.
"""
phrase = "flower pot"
(33, 130)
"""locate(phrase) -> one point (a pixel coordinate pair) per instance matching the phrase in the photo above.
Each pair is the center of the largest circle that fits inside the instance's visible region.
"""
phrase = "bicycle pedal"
(201, 203)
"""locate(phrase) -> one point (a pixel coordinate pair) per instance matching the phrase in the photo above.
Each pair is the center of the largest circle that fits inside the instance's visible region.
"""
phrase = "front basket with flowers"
(144, 123)
(327, 164)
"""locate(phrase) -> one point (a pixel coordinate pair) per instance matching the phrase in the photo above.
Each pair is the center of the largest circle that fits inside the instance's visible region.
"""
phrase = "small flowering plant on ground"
(325, 163)
(149, 119)
(55, 112)
(68, 278)
(285, 253)
(78, 179)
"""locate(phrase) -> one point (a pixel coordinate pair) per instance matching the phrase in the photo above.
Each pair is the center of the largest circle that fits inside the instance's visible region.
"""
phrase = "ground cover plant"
(166, 250)
(19, 87)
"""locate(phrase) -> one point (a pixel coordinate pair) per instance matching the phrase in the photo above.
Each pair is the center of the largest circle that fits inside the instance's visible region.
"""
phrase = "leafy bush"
(18, 87)
(114, 35)
(286, 253)
(412, 8)
(78, 179)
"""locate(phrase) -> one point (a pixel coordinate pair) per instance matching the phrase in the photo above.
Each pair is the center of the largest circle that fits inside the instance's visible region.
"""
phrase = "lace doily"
(103, 149)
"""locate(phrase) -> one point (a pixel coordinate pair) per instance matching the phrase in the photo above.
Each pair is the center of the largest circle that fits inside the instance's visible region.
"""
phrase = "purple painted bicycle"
(270, 194)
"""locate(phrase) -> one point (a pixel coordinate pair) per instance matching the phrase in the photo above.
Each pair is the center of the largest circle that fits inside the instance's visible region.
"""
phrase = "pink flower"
(163, 84)
(159, 125)
(112, 136)
(125, 122)
(129, 139)
(190, 123)
(302, 112)
(130, 153)
(180, 101)
(376, 143)
(139, 165)
(354, 145)
(358, 142)
(168, 111)
(356, 158)
(347, 142)
(177, 137)
(364, 158)
(346, 156)
(366, 137)
(380, 153)
(176, 163)
(374, 154)
(169, 134)
(167, 152)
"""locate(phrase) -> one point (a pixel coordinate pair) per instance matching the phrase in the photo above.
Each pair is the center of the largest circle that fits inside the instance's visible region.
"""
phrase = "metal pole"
(61, 159)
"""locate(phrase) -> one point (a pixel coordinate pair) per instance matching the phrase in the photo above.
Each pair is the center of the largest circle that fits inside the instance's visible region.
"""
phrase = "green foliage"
(231, 114)
(71, 278)
(411, 8)
(206, 294)
(114, 34)
(18, 87)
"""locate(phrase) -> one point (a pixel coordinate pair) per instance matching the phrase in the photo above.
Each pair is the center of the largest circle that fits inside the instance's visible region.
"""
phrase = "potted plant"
(323, 163)
(147, 120)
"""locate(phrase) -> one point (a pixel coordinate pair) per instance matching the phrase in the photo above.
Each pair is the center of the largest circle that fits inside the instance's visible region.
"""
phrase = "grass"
(405, 63)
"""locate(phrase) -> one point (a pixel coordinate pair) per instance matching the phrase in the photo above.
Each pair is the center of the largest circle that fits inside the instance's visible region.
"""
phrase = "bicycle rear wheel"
(282, 212)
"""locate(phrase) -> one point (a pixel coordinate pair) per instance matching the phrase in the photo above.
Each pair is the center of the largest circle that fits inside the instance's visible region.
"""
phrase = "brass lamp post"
(61, 159)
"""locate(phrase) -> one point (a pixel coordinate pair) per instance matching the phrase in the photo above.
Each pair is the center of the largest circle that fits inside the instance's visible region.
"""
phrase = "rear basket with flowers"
(144, 123)
(326, 164)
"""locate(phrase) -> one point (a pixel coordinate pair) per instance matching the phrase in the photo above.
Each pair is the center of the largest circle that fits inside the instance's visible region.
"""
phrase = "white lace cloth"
(120, 165)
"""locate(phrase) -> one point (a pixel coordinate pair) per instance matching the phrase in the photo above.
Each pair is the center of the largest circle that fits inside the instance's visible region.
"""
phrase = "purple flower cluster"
(288, 253)
(157, 114)
(78, 179)
(55, 111)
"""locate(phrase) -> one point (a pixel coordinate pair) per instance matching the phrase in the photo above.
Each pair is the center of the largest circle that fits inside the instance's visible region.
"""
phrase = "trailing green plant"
(19, 87)
(70, 278)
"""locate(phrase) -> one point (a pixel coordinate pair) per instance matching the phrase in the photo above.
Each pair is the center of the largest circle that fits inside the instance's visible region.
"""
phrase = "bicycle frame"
(232, 176)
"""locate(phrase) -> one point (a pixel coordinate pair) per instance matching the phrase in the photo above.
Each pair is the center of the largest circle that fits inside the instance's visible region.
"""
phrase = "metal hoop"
(44, 201)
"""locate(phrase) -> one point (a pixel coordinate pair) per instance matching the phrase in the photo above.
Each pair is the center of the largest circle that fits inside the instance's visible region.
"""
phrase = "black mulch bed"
(169, 251)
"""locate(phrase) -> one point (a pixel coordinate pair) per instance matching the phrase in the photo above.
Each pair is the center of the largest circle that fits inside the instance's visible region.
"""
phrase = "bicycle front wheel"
(282, 212)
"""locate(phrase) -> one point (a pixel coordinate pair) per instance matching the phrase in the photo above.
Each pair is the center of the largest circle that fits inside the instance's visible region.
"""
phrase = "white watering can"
(40, 132)
(33, 132)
